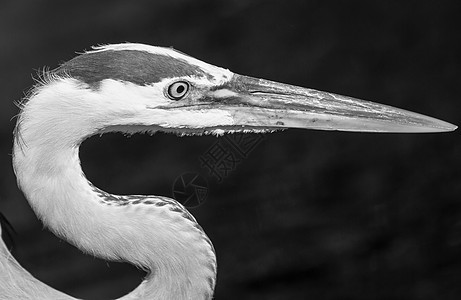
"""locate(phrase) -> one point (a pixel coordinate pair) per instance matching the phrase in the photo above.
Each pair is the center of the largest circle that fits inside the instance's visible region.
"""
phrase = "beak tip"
(442, 126)
(451, 127)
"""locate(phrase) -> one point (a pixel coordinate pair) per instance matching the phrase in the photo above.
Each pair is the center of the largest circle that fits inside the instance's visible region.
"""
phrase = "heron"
(138, 88)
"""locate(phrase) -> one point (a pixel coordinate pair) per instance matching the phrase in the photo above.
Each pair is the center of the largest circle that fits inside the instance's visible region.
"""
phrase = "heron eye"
(178, 90)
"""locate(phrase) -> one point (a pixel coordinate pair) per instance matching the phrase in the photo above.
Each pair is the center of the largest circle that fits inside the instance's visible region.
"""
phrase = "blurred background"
(306, 214)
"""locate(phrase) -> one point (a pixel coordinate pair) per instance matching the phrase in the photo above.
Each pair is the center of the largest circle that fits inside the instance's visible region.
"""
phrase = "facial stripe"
(167, 51)
(220, 75)
(139, 67)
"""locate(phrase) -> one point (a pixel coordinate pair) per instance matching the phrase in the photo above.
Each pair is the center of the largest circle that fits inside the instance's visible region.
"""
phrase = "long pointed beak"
(262, 103)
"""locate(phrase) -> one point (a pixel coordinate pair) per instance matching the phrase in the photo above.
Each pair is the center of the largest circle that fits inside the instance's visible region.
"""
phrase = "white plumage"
(127, 88)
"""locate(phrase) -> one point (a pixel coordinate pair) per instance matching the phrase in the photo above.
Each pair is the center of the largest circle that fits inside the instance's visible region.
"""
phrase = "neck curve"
(154, 233)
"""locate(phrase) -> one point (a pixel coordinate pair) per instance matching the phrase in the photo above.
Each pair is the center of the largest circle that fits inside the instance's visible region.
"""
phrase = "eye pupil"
(177, 90)
(180, 89)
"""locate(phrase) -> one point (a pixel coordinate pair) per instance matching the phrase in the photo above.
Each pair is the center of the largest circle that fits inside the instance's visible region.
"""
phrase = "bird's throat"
(176, 252)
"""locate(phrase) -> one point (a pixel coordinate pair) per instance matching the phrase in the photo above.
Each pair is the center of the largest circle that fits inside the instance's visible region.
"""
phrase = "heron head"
(155, 88)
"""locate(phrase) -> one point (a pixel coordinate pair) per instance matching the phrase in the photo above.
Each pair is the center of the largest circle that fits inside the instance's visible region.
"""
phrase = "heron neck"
(154, 233)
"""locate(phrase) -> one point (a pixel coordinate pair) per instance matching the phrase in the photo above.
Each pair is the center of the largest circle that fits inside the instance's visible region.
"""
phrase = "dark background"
(308, 214)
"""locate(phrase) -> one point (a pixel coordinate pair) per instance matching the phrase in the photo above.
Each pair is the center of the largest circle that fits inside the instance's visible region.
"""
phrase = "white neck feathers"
(154, 233)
